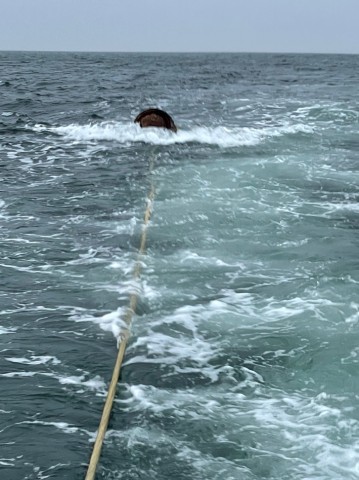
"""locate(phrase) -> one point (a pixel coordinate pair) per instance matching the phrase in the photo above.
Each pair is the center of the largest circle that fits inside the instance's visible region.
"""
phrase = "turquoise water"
(243, 359)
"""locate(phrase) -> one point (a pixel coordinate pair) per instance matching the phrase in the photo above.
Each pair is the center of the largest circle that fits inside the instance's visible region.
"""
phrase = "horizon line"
(180, 52)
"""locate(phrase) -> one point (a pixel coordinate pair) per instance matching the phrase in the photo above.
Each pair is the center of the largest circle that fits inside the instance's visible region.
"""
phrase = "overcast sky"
(326, 26)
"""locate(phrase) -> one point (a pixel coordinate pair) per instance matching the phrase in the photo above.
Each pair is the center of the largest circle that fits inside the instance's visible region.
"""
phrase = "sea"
(243, 359)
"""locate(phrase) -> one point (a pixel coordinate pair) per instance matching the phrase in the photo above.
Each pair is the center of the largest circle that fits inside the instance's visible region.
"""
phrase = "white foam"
(148, 397)
(129, 133)
(169, 350)
(30, 269)
(96, 383)
(113, 322)
(187, 256)
(35, 360)
(121, 264)
(307, 425)
(124, 227)
(63, 426)
(18, 374)
(4, 331)
(310, 433)
(109, 322)
(7, 462)
(354, 318)
(191, 349)
(87, 258)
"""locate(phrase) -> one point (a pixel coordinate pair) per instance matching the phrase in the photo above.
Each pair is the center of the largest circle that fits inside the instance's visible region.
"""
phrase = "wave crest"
(220, 136)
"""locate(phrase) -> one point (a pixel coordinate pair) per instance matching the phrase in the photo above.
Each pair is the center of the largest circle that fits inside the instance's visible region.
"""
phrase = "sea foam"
(220, 136)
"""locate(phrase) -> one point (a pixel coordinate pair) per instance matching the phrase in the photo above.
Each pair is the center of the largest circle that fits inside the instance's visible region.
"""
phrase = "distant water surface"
(244, 356)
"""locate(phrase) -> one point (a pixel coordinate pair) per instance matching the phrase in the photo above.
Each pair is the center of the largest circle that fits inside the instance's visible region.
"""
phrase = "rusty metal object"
(153, 117)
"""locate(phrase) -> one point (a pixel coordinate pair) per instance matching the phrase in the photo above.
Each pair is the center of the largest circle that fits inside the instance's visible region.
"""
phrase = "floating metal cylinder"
(154, 117)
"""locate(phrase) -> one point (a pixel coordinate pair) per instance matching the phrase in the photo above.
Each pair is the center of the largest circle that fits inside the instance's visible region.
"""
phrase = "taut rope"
(94, 460)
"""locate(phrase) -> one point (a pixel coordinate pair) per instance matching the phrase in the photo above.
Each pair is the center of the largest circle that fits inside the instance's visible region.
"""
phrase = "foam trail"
(219, 136)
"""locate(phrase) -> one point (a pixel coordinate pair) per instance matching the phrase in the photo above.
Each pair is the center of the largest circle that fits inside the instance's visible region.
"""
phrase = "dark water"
(243, 360)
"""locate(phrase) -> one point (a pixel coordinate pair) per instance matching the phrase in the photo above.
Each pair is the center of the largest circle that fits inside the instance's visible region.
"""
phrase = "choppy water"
(243, 360)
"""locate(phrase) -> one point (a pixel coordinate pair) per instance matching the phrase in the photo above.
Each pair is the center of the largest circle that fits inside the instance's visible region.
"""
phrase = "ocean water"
(244, 355)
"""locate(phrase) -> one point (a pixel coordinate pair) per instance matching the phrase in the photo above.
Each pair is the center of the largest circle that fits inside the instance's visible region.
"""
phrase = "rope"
(122, 342)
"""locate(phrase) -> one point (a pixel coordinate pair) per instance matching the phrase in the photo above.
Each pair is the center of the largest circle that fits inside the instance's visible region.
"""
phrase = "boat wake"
(225, 137)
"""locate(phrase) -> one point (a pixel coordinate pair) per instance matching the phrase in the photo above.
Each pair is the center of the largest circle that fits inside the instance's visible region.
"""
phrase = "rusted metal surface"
(154, 117)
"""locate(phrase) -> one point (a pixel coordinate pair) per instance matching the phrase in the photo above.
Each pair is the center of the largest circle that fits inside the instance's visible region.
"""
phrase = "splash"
(225, 137)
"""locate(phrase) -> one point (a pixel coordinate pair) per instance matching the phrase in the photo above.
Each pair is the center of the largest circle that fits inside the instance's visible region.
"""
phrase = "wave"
(220, 136)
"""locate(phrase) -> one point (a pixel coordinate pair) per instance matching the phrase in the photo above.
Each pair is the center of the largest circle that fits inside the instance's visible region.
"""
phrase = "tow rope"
(123, 339)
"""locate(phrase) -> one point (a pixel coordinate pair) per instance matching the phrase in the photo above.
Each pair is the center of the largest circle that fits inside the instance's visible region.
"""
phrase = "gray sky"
(327, 26)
